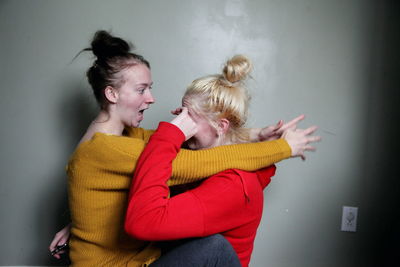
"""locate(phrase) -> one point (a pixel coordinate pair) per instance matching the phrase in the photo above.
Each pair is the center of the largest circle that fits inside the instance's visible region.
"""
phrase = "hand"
(176, 111)
(274, 132)
(184, 122)
(59, 239)
(299, 140)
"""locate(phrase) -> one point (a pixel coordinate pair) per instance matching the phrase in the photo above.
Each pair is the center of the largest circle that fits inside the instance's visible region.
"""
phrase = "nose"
(149, 98)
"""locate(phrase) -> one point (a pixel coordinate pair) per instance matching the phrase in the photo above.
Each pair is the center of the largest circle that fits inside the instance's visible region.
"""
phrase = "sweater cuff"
(171, 132)
(285, 148)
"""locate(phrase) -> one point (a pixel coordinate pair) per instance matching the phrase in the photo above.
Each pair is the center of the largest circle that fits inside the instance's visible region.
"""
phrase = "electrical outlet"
(349, 219)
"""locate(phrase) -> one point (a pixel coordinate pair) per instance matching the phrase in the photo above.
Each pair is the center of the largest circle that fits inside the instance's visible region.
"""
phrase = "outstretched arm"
(193, 165)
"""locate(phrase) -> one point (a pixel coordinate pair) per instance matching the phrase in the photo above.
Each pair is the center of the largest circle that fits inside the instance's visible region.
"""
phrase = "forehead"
(137, 74)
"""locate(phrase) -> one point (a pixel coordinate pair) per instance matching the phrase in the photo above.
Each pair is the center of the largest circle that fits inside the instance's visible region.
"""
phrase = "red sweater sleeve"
(152, 215)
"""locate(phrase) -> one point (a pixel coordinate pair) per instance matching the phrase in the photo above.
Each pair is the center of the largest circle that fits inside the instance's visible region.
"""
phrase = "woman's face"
(134, 96)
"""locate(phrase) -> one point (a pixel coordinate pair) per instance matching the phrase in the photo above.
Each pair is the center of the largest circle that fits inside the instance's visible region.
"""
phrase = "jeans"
(208, 251)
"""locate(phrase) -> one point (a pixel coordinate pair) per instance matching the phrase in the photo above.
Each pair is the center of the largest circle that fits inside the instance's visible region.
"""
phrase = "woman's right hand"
(60, 239)
(184, 122)
(299, 140)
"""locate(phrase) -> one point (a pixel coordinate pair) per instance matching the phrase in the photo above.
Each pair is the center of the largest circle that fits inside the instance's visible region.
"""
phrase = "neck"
(222, 140)
(106, 123)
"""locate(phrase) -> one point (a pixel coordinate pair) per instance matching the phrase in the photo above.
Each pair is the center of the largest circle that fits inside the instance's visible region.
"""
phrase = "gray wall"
(335, 61)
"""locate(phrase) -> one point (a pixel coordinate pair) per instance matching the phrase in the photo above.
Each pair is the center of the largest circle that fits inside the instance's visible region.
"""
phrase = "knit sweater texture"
(99, 176)
(230, 202)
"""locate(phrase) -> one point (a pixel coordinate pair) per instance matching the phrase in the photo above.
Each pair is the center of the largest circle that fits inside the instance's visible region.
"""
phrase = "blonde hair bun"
(237, 68)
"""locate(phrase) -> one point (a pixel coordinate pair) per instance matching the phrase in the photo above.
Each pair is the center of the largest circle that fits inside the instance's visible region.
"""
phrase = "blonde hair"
(223, 96)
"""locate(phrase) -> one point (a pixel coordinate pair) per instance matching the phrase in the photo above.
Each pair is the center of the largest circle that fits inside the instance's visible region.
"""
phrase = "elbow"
(138, 229)
(133, 227)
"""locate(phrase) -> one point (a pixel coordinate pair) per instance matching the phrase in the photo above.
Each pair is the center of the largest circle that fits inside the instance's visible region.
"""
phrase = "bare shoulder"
(91, 130)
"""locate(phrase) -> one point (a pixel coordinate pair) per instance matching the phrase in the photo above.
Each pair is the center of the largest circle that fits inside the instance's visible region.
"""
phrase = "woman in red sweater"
(231, 202)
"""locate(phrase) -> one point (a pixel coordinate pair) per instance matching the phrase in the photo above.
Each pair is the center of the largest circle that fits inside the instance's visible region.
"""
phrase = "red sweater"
(229, 202)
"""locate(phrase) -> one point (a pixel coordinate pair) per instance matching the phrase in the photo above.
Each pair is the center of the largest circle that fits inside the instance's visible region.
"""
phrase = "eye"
(141, 91)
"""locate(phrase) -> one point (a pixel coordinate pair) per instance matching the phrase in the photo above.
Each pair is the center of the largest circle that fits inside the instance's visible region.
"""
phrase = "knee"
(218, 242)
(222, 250)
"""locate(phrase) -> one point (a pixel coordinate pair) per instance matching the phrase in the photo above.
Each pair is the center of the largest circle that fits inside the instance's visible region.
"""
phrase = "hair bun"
(237, 68)
(105, 46)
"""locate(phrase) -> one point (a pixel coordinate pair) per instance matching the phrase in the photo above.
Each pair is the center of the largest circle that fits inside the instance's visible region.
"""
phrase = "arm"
(151, 215)
(189, 165)
(193, 165)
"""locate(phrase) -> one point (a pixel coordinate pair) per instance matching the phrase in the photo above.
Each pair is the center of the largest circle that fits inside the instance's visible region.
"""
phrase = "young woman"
(214, 113)
(100, 169)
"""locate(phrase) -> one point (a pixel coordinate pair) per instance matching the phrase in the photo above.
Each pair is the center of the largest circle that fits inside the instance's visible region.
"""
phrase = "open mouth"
(142, 110)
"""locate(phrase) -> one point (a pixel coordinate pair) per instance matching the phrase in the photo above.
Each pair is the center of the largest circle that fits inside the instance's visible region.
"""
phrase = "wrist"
(170, 132)
(255, 135)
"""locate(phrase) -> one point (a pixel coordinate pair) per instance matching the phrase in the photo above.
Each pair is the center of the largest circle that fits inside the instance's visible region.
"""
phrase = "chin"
(135, 124)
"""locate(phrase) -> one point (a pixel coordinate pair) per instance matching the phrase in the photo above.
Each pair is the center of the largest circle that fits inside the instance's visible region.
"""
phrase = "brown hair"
(113, 55)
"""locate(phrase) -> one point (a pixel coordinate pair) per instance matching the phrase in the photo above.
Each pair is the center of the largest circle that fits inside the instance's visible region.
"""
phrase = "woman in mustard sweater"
(100, 169)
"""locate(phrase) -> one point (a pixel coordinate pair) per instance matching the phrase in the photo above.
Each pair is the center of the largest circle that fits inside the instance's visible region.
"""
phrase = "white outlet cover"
(349, 219)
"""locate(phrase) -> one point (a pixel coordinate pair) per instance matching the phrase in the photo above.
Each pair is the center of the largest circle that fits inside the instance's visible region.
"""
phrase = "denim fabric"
(208, 251)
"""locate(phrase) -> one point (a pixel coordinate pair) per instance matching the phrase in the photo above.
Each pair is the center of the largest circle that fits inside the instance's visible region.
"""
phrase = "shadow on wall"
(75, 112)
(386, 238)
(390, 236)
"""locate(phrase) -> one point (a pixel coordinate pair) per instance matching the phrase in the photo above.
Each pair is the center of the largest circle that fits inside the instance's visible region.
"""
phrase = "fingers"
(59, 242)
(184, 110)
(55, 242)
(310, 130)
(299, 140)
(297, 119)
(56, 253)
(309, 148)
(176, 111)
(306, 148)
(269, 130)
(279, 124)
(314, 139)
(185, 123)
(308, 133)
(277, 129)
(293, 123)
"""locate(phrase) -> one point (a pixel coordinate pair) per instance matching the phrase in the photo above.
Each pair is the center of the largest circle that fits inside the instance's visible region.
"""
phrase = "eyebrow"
(146, 84)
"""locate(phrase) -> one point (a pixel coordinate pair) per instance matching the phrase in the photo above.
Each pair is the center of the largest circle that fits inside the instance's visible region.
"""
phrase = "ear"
(111, 94)
(223, 126)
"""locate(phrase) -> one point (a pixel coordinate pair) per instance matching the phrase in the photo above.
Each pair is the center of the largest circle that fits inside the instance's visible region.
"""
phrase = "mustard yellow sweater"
(99, 177)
